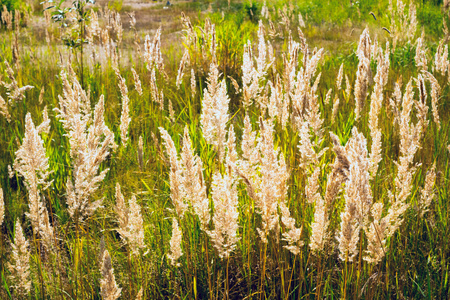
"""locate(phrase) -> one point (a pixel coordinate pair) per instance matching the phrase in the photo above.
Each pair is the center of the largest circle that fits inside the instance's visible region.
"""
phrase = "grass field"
(224, 150)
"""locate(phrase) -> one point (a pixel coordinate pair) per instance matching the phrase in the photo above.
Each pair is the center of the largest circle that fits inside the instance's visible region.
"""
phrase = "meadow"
(224, 149)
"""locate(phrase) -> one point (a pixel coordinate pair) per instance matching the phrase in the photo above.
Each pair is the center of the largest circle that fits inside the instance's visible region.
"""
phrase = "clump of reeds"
(265, 174)
(384, 227)
(90, 143)
(305, 102)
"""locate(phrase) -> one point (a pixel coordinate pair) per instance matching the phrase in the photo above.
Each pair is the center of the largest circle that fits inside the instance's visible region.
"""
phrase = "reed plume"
(32, 164)
(252, 76)
(262, 51)
(411, 21)
(335, 108)
(246, 167)
(250, 86)
(186, 179)
(193, 185)
(335, 179)
(421, 107)
(7, 18)
(41, 95)
(4, 109)
(125, 115)
(339, 171)
(140, 153)
(190, 37)
(320, 224)
(435, 94)
(308, 148)
(108, 286)
(225, 198)
(265, 173)
(44, 127)
(131, 225)
(358, 197)
(421, 54)
(19, 266)
(363, 74)
(375, 234)
(175, 244)
(339, 77)
(396, 101)
(140, 294)
(441, 62)
(348, 87)
(93, 27)
(90, 144)
(328, 96)
(409, 143)
(305, 103)
(152, 52)
(232, 155)
(427, 194)
(183, 64)
(177, 193)
(157, 95)
(291, 62)
(193, 83)
(376, 101)
(215, 111)
(265, 10)
(292, 234)
(137, 81)
(273, 186)
(278, 102)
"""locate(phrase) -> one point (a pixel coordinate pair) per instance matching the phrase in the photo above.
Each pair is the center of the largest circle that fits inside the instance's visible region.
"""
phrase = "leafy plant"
(77, 14)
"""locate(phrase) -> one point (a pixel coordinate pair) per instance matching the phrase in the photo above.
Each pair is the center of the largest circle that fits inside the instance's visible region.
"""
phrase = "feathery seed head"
(20, 262)
(175, 244)
(215, 112)
(177, 191)
(225, 199)
(109, 288)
